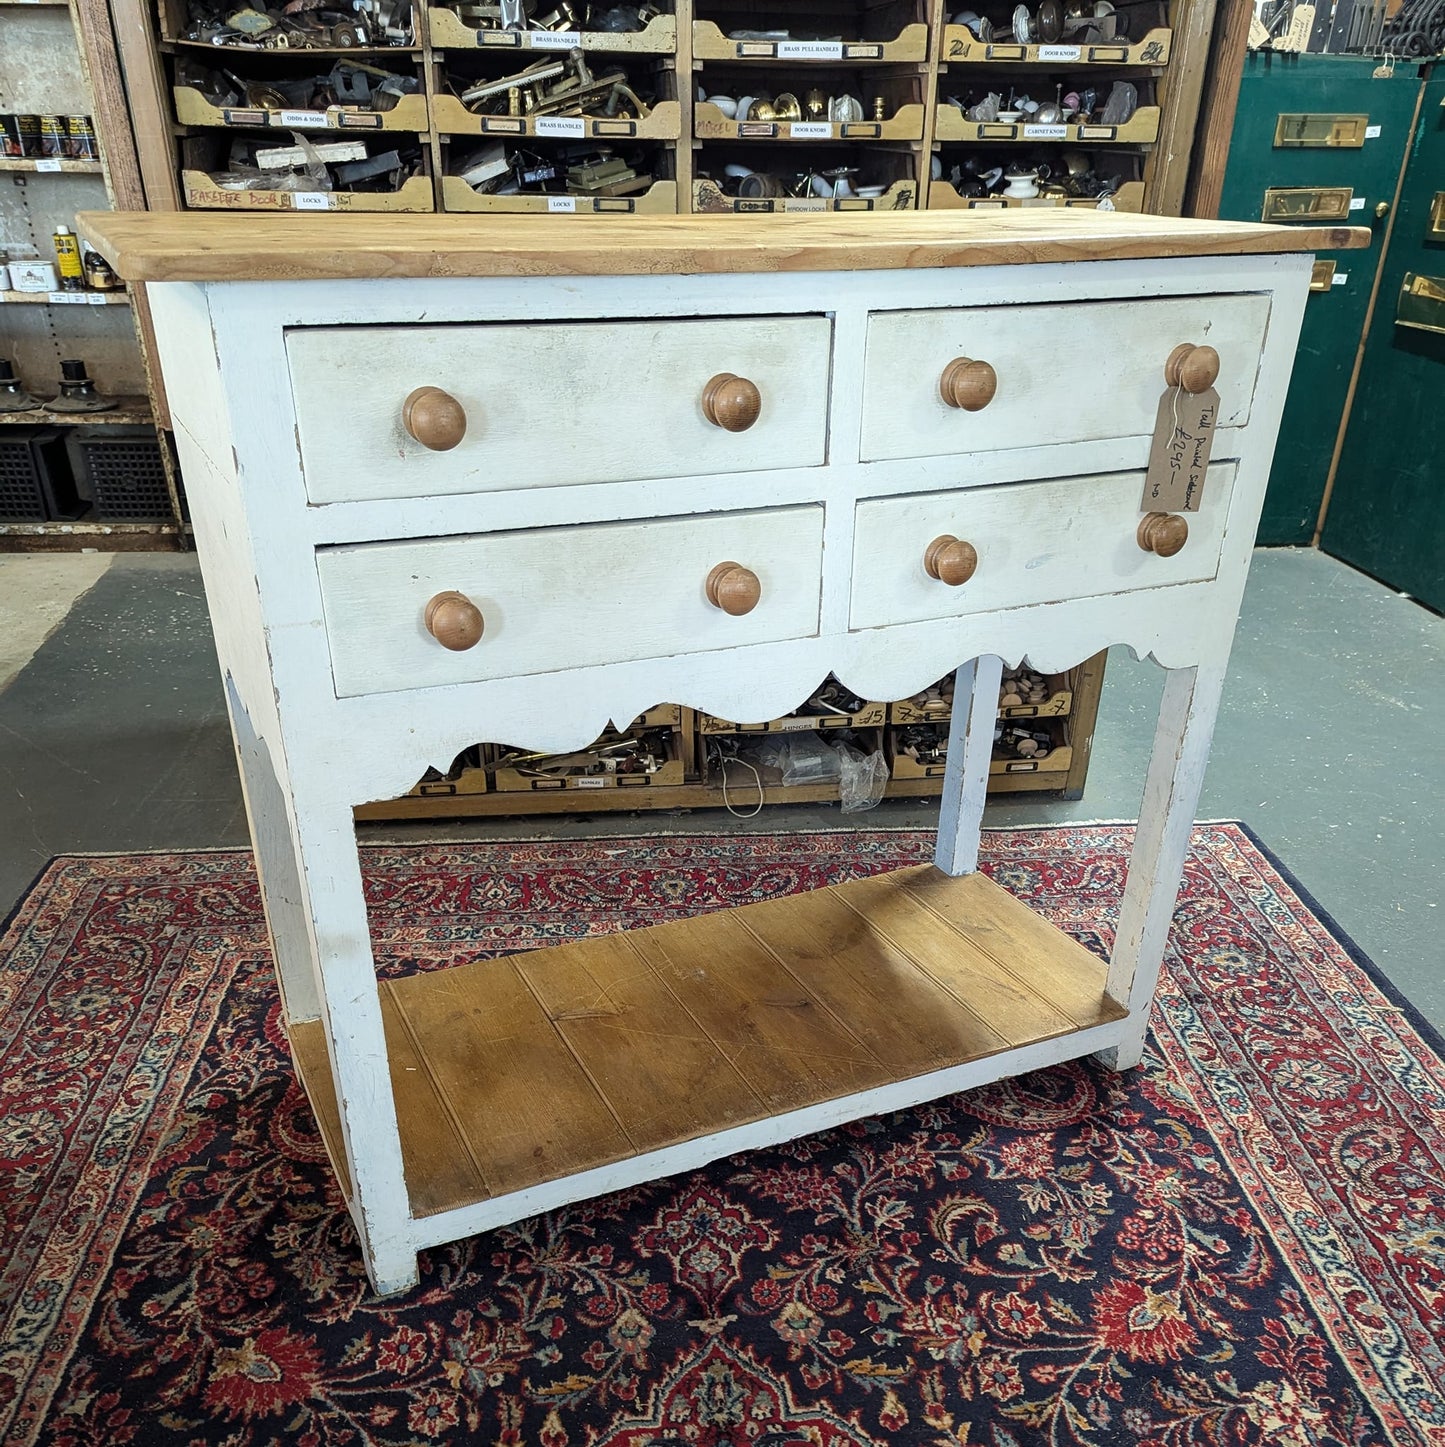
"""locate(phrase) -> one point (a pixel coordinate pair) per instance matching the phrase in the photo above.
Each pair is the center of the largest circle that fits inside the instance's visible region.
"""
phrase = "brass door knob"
(435, 418)
(1163, 533)
(454, 621)
(968, 384)
(1196, 369)
(1382, 209)
(950, 560)
(732, 403)
(733, 588)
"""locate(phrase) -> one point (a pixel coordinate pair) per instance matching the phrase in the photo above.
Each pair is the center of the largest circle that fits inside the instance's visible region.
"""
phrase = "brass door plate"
(1322, 276)
(1307, 203)
(1422, 303)
(1319, 130)
(1436, 231)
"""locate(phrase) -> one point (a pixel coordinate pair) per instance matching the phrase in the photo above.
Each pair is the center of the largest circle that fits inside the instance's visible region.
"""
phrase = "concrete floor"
(1329, 744)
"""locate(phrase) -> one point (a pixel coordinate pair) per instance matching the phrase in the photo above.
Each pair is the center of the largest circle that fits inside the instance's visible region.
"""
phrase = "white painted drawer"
(1071, 372)
(567, 597)
(553, 403)
(1037, 542)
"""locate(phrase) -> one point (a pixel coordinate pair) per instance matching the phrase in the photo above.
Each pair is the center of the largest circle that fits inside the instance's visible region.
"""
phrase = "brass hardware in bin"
(1436, 230)
(1307, 203)
(1322, 276)
(1319, 130)
(1422, 303)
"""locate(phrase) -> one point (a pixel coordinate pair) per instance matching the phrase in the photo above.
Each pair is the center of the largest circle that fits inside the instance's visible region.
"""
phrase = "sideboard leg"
(1156, 864)
(276, 865)
(970, 747)
(356, 1044)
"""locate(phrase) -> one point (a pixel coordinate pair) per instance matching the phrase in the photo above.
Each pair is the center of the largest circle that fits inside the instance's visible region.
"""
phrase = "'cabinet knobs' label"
(1179, 457)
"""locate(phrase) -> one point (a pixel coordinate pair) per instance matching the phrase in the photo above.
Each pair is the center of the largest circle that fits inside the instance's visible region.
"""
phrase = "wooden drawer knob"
(1163, 533)
(733, 588)
(1196, 369)
(950, 560)
(732, 403)
(454, 621)
(968, 384)
(435, 418)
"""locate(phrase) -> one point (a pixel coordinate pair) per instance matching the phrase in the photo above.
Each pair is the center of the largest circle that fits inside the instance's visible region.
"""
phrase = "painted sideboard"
(456, 481)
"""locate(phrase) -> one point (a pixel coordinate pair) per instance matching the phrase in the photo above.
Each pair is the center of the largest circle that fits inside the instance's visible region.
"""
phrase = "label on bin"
(1060, 52)
(561, 203)
(810, 50)
(302, 119)
(311, 200)
(811, 130)
(555, 39)
(560, 126)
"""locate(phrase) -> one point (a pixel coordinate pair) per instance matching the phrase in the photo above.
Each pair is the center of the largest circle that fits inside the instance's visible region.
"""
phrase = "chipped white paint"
(316, 606)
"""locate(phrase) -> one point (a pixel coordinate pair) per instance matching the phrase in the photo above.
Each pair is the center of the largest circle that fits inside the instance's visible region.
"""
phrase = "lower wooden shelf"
(513, 1072)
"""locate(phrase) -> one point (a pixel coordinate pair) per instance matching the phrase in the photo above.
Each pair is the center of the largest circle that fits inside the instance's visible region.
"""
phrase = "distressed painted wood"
(1065, 373)
(528, 421)
(456, 1102)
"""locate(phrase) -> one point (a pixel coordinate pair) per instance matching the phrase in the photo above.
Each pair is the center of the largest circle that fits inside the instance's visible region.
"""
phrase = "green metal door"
(1387, 511)
(1302, 159)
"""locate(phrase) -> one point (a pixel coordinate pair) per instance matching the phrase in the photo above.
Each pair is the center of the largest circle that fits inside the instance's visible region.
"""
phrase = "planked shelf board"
(1142, 128)
(961, 47)
(514, 1072)
(128, 411)
(65, 298)
(58, 165)
(910, 44)
(448, 31)
(454, 119)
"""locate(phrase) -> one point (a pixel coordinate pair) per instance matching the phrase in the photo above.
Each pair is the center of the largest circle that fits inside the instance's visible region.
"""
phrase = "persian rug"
(1243, 1241)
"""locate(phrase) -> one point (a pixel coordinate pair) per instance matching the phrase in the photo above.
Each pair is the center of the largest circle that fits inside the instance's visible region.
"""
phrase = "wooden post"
(970, 747)
(1156, 863)
(1217, 108)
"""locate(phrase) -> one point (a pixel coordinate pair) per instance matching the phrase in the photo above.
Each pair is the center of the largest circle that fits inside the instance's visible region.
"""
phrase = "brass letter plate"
(1319, 130)
(1307, 203)
(1422, 303)
(1322, 276)
(1436, 231)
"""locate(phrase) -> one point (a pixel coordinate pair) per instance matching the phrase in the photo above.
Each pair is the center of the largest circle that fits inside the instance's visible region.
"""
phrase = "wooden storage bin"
(942, 197)
(448, 31)
(961, 47)
(193, 109)
(674, 771)
(659, 199)
(871, 715)
(710, 43)
(1141, 128)
(664, 124)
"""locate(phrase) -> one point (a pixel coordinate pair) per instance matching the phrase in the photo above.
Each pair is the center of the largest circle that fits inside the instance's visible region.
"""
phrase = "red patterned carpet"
(1243, 1241)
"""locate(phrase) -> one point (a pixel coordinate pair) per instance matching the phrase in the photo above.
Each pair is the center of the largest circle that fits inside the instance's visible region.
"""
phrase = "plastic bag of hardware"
(863, 778)
(808, 760)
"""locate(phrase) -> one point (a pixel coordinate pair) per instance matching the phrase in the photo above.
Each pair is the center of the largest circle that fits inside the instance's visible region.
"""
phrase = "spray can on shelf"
(67, 260)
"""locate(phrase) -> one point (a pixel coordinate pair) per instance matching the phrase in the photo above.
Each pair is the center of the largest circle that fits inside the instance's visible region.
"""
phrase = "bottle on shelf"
(67, 260)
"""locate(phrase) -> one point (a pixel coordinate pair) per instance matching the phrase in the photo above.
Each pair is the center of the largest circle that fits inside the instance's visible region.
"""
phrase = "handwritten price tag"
(48, 165)
(1179, 458)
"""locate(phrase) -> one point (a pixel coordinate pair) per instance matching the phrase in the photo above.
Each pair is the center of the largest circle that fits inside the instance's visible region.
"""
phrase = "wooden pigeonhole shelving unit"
(709, 106)
(59, 60)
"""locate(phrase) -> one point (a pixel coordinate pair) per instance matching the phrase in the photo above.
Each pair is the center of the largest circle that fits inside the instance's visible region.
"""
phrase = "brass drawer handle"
(435, 418)
(1162, 533)
(454, 621)
(950, 560)
(733, 588)
(967, 384)
(1196, 369)
(732, 403)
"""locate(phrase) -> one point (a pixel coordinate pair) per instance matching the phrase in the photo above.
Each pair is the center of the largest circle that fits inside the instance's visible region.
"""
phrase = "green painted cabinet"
(1259, 161)
(1387, 511)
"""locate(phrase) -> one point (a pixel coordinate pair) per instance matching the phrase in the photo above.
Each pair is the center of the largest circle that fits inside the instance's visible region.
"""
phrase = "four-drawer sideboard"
(456, 481)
